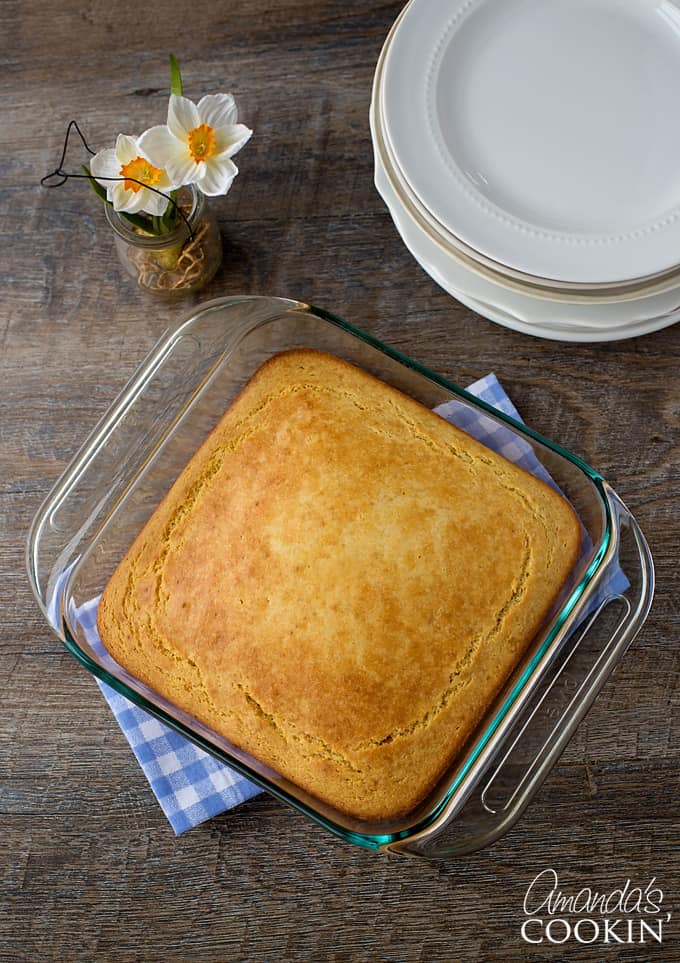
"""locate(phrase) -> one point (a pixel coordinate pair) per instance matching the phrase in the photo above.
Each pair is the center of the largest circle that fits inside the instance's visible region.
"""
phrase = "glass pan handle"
(546, 708)
(623, 630)
(558, 707)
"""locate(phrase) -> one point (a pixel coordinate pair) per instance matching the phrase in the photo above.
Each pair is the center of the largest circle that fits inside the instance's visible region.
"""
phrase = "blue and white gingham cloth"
(190, 785)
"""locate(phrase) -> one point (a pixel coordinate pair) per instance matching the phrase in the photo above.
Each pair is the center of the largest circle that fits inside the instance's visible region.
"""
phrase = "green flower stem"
(170, 218)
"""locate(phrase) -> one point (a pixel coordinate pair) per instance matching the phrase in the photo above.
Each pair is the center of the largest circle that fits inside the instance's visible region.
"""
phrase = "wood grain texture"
(91, 870)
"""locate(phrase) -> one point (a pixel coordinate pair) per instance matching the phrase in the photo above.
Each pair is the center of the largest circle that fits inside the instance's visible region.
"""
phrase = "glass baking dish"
(140, 446)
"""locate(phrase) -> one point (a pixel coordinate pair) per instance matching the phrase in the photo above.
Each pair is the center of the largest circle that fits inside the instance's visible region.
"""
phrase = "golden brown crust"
(340, 582)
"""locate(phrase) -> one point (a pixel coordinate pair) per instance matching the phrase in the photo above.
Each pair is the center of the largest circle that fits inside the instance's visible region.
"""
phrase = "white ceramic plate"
(551, 333)
(542, 133)
(514, 308)
(500, 274)
(622, 289)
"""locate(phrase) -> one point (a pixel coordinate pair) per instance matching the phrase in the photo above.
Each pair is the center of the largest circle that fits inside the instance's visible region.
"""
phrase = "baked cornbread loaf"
(339, 583)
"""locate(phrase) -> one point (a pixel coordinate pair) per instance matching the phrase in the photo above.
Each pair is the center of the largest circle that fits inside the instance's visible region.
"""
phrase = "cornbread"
(339, 583)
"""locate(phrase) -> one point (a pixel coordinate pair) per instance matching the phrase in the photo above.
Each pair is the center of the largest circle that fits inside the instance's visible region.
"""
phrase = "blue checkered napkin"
(498, 437)
(190, 785)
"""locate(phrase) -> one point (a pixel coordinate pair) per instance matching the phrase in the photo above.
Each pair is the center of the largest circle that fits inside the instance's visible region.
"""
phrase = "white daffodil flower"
(198, 142)
(127, 161)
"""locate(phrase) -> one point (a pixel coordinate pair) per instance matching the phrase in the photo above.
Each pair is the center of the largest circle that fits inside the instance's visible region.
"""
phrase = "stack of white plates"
(529, 153)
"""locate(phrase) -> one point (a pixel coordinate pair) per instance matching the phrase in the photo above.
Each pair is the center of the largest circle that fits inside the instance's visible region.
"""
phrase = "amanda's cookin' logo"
(628, 914)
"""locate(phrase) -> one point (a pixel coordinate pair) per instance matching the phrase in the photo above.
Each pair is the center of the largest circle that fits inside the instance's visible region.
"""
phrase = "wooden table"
(90, 869)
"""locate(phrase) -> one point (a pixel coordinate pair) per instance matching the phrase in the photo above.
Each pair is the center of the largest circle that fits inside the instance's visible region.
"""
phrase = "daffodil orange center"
(201, 142)
(141, 170)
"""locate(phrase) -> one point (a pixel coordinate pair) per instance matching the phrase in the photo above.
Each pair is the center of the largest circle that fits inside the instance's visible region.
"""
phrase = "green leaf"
(95, 185)
(175, 77)
(139, 220)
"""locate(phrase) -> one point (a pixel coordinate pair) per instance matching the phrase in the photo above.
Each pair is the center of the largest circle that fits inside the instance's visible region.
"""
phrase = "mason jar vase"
(176, 263)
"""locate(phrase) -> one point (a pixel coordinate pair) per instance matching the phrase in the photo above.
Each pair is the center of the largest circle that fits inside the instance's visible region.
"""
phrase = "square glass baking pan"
(135, 453)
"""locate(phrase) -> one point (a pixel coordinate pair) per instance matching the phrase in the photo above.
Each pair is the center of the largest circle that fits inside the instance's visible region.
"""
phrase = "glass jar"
(176, 263)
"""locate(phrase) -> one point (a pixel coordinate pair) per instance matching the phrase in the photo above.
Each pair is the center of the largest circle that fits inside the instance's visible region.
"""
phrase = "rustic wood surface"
(90, 870)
